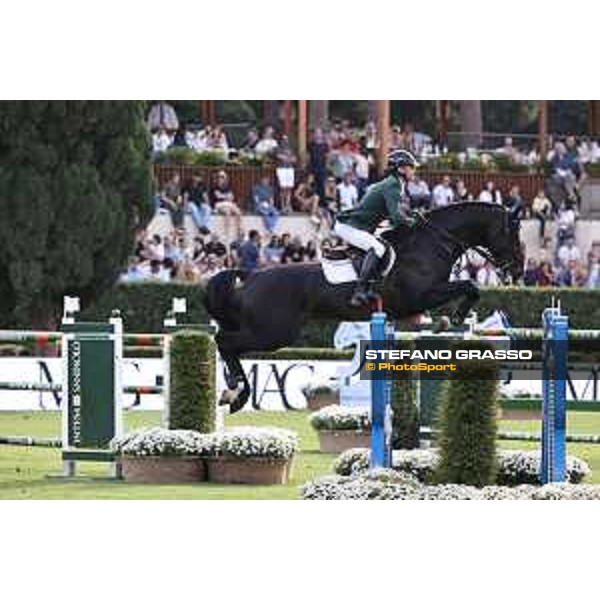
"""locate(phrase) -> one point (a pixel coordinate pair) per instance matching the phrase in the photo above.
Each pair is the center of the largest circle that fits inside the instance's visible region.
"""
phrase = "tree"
(75, 182)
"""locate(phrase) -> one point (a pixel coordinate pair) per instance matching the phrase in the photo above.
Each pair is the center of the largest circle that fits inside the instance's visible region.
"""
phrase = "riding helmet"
(401, 158)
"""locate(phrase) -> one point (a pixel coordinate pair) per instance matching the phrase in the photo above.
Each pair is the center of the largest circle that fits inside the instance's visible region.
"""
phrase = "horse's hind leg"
(236, 379)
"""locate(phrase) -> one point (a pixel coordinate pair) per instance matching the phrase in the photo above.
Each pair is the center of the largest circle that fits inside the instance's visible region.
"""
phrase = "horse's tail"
(220, 297)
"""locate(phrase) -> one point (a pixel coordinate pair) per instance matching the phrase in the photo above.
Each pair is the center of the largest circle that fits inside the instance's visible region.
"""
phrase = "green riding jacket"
(383, 200)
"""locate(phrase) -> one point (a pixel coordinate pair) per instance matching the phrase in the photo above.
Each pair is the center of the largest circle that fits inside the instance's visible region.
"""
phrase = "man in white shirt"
(161, 140)
(443, 194)
(568, 252)
(490, 194)
(347, 192)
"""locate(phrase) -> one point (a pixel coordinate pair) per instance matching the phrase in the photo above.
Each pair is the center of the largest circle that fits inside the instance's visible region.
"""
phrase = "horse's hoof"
(227, 397)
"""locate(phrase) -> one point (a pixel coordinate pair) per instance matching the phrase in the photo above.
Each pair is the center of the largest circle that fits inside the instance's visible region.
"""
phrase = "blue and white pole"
(555, 356)
(381, 412)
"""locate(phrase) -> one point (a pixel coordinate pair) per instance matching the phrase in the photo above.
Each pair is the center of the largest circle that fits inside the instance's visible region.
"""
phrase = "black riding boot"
(367, 272)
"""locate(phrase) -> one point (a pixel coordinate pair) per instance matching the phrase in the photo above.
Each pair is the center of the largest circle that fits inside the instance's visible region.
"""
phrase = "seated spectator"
(180, 138)
(546, 276)
(250, 141)
(217, 140)
(134, 271)
(198, 203)
(541, 209)
(223, 201)
(249, 252)
(267, 144)
(418, 192)
(565, 167)
(306, 198)
(490, 194)
(531, 274)
(487, 275)
(347, 192)
(565, 220)
(285, 174)
(509, 150)
(568, 252)
(163, 115)
(514, 203)
(215, 247)
(294, 252)
(310, 251)
(593, 280)
(273, 251)
(264, 203)
(462, 194)
(329, 202)
(443, 194)
(188, 272)
(161, 141)
(397, 138)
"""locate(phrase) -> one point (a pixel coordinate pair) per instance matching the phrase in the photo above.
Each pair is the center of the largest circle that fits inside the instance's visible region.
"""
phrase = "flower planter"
(337, 441)
(256, 471)
(163, 469)
(317, 401)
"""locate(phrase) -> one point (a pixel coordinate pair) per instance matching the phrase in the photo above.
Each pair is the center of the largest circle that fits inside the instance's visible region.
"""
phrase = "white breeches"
(359, 238)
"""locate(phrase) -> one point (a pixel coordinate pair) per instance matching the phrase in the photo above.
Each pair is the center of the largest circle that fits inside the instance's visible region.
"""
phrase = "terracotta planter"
(159, 469)
(336, 441)
(256, 471)
(317, 401)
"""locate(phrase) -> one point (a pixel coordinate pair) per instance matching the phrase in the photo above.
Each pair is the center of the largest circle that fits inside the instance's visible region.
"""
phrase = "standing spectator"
(541, 209)
(347, 192)
(223, 201)
(317, 164)
(173, 201)
(307, 199)
(285, 174)
(442, 193)
(490, 194)
(267, 144)
(531, 274)
(514, 203)
(396, 138)
(249, 252)
(361, 170)
(329, 202)
(264, 196)
(163, 115)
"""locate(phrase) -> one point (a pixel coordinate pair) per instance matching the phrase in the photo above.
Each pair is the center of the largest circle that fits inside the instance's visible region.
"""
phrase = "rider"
(386, 199)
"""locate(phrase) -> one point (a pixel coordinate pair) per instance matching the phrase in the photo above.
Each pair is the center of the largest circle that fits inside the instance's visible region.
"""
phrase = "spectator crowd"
(341, 165)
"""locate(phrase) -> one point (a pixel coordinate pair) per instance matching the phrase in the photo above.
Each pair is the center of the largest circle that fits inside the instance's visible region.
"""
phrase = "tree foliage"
(75, 181)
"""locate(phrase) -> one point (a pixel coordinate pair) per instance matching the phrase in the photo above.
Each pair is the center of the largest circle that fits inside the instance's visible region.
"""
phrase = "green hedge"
(467, 426)
(144, 305)
(192, 399)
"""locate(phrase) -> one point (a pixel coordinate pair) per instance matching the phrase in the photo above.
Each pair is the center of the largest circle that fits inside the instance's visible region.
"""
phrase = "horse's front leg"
(466, 292)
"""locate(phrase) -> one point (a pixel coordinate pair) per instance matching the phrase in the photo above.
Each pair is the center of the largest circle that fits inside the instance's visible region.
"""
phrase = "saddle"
(342, 263)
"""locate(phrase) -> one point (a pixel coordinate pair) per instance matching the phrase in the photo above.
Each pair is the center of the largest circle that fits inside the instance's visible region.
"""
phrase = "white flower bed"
(336, 418)
(515, 467)
(252, 442)
(384, 485)
(160, 442)
(320, 385)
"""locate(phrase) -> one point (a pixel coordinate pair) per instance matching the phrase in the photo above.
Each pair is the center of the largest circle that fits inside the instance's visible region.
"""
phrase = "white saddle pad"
(338, 271)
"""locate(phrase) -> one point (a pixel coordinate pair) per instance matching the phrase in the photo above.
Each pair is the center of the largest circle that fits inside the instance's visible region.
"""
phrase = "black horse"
(265, 310)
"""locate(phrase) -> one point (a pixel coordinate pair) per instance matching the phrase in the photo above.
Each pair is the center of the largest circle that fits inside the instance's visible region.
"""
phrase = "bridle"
(463, 246)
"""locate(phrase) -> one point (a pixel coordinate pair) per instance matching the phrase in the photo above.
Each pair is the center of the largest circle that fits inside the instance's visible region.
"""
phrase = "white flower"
(334, 417)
